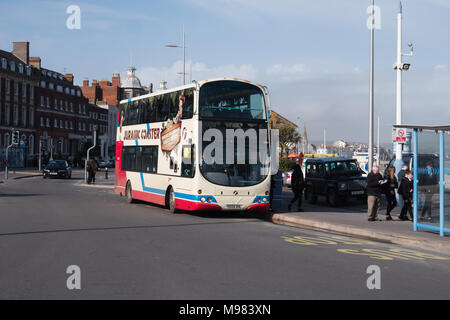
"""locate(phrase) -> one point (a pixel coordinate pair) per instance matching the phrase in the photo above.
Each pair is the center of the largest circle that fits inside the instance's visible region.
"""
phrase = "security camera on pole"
(400, 66)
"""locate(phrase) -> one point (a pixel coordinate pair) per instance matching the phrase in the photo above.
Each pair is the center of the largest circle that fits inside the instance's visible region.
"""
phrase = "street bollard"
(106, 173)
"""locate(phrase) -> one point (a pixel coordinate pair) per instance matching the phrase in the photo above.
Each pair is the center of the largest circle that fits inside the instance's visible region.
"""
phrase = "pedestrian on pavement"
(401, 173)
(297, 184)
(429, 182)
(406, 192)
(389, 191)
(375, 184)
(91, 169)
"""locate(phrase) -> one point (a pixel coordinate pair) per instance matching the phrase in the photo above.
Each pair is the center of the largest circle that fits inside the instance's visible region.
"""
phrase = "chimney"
(116, 79)
(150, 88)
(35, 62)
(21, 50)
(94, 83)
(69, 77)
(85, 82)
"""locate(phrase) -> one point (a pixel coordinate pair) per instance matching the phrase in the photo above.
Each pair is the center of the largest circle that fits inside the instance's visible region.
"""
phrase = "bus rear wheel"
(129, 193)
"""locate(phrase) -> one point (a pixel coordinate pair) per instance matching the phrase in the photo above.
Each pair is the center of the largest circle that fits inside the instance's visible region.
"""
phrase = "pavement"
(352, 220)
(141, 251)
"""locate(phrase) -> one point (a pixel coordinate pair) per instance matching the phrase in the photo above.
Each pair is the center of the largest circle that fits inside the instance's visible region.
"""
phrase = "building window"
(71, 107)
(56, 104)
(71, 125)
(28, 68)
(7, 141)
(16, 88)
(48, 102)
(4, 63)
(61, 125)
(13, 66)
(48, 122)
(42, 122)
(43, 84)
(21, 68)
(31, 145)
(67, 106)
(42, 101)
(31, 117)
(55, 124)
(61, 105)
(66, 124)
(31, 92)
(24, 116)
(24, 90)
(16, 115)
(7, 114)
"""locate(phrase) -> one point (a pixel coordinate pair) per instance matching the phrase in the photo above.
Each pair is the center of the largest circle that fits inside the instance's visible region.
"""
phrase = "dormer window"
(28, 70)
(13, 66)
(21, 68)
(4, 63)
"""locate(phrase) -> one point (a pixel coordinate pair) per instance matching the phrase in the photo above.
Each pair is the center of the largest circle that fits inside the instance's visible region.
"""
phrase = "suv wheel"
(310, 196)
(333, 198)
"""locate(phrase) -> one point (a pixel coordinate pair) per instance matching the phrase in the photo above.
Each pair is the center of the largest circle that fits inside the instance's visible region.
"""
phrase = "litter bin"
(276, 191)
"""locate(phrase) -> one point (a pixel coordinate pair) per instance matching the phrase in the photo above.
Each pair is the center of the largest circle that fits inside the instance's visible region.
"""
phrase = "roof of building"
(131, 81)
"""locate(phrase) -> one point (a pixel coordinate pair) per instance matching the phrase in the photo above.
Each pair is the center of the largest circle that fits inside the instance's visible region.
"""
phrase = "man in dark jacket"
(298, 184)
(429, 182)
(375, 183)
(406, 192)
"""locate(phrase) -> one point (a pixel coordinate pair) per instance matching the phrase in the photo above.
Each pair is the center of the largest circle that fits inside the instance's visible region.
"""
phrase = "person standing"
(406, 192)
(389, 191)
(429, 182)
(297, 184)
(375, 183)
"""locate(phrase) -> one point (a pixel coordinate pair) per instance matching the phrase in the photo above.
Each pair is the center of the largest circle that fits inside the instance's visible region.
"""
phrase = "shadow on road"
(17, 195)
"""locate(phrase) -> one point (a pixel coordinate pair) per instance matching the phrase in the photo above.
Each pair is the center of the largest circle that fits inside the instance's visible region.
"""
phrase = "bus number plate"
(234, 206)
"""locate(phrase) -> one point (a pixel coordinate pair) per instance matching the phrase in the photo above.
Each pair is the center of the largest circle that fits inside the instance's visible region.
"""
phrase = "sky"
(312, 55)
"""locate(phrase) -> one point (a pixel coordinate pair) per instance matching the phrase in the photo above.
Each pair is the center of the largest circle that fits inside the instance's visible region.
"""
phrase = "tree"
(289, 137)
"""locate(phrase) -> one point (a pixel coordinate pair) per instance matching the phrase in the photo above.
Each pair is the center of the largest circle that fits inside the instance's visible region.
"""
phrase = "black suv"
(338, 179)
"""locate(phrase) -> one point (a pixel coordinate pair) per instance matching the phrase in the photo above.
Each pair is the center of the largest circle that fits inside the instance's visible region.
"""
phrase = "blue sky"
(313, 55)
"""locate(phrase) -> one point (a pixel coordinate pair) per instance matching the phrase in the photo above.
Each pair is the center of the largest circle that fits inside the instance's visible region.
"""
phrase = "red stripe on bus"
(149, 197)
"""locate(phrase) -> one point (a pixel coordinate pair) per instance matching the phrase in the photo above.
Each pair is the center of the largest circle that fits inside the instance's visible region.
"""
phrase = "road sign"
(400, 135)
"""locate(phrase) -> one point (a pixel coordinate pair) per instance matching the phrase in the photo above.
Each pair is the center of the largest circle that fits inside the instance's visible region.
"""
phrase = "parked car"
(339, 179)
(57, 169)
(106, 164)
(424, 159)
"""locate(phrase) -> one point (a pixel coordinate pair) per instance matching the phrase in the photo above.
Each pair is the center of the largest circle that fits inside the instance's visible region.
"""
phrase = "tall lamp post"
(371, 90)
(400, 66)
(184, 54)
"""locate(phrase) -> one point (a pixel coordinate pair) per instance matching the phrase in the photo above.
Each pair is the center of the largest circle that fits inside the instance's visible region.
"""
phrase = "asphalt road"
(140, 251)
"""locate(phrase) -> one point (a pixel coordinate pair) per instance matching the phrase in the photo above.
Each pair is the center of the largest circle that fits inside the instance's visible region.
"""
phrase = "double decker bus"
(193, 147)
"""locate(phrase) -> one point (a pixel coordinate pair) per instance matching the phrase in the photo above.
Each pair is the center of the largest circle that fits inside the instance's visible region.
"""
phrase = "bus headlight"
(209, 200)
(265, 200)
(203, 199)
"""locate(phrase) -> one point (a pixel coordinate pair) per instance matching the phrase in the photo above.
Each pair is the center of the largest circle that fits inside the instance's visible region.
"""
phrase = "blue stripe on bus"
(262, 198)
(178, 195)
(148, 189)
(137, 143)
(148, 127)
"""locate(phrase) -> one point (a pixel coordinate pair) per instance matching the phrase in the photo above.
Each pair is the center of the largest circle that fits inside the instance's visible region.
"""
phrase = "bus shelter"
(431, 169)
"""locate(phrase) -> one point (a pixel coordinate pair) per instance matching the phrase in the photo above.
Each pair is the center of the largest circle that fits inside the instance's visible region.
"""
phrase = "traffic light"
(15, 138)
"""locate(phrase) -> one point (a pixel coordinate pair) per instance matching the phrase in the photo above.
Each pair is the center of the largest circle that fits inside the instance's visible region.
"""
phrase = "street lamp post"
(371, 90)
(184, 54)
(400, 66)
